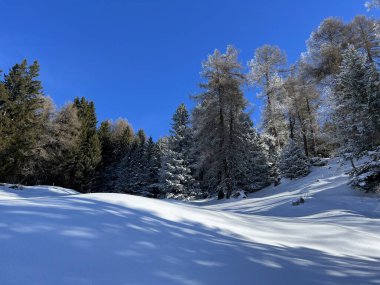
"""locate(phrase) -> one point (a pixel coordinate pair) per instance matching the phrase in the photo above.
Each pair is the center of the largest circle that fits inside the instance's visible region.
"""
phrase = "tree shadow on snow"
(84, 241)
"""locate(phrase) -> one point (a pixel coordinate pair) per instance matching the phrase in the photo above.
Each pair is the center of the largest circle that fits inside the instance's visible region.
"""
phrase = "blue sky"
(139, 59)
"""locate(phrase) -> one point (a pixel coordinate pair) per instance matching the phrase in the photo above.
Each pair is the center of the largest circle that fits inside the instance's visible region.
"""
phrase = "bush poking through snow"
(319, 161)
(241, 194)
(299, 201)
(16, 187)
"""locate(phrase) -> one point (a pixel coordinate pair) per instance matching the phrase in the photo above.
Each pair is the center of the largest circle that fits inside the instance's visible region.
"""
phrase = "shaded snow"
(334, 238)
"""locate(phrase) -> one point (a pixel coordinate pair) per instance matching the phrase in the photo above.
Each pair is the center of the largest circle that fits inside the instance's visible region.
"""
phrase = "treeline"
(326, 104)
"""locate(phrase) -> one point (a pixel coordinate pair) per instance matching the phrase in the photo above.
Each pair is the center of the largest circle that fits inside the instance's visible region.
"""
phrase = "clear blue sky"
(139, 59)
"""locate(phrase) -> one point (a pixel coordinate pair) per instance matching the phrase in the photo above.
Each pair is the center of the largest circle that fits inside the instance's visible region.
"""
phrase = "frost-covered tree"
(302, 102)
(372, 4)
(325, 47)
(293, 161)
(265, 72)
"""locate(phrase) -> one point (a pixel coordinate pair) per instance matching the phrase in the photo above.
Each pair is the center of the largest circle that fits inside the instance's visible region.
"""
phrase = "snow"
(22, 192)
(50, 235)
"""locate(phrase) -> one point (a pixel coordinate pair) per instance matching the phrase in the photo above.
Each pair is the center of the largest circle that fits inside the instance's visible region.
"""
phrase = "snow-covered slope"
(9, 191)
(333, 238)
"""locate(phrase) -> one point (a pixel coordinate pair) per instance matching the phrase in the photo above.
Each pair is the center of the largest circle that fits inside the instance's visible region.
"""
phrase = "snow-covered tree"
(325, 47)
(176, 175)
(365, 36)
(223, 134)
(302, 102)
(151, 171)
(253, 168)
(293, 163)
(131, 169)
(372, 4)
(367, 176)
(357, 101)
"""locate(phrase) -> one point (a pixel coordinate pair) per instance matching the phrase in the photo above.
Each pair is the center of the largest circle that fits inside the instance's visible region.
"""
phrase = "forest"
(326, 104)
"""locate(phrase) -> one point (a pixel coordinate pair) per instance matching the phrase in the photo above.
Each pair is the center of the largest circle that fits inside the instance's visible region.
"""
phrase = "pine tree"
(293, 162)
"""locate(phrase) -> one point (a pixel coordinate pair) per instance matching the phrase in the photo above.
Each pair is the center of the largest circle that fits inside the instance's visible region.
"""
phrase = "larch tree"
(265, 71)
(217, 123)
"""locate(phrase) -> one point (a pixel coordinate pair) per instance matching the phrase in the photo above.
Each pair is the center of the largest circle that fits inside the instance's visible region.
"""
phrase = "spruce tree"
(357, 101)
(175, 175)
(22, 122)
(131, 169)
(293, 162)
(151, 174)
(87, 156)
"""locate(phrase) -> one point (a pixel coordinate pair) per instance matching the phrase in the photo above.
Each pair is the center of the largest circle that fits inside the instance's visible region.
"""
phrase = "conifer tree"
(175, 175)
(151, 174)
(217, 122)
(87, 156)
(131, 169)
(357, 101)
(22, 122)
(265, 72)
(293, 162)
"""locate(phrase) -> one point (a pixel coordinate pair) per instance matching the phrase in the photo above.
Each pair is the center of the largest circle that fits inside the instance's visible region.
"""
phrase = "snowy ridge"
(333, 238)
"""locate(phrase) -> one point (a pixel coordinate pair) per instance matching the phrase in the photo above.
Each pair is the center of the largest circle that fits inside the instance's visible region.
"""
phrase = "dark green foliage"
(87, 155)
(22, 122)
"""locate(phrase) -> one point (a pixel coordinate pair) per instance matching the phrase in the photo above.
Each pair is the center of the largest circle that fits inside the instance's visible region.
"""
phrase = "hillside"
(51, 235)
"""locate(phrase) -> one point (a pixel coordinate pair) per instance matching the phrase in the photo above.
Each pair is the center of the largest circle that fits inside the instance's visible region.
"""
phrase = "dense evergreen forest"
(326, 104)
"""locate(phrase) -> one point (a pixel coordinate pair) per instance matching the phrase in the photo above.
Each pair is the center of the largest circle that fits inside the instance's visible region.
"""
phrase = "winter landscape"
(269, 173)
